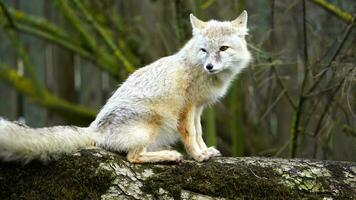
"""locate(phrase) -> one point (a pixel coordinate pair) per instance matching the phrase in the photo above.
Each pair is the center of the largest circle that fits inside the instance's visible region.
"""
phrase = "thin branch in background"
(44, 29)
(269, 83)
(21, 52)
(328, 105)
(258, 51)
(323, 91)
(326, 142)
(235, 124)
(37, 23)
(336, 53)
(273, 104)
(32, 88)
(89, 43)
(295, 131)
(341, 107)
(274, 63)
(253, 95)
(207, 4)
(76, 113)
(310, 112)
(263, 80)
(348, 94)
(283, 148)
(349, 130)
(321, 74)
(107, 39)
(210, 130)
(281, 84)
(77, 24)
(334, 10)
(237, 139)
(10, 23)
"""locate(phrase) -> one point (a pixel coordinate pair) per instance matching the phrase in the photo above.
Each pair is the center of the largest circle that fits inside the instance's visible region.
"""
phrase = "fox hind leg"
(140, 155)
(135, 138)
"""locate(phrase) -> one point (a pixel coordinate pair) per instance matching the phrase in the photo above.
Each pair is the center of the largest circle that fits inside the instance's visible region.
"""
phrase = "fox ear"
(197, 24)
(240, 21)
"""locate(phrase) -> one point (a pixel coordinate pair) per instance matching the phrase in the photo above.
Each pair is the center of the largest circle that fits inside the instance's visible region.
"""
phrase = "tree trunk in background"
(237, 137)
(89, 84)
(35, 48)
(8, 108)
(95, 174)
(210, 129)
(61, 64)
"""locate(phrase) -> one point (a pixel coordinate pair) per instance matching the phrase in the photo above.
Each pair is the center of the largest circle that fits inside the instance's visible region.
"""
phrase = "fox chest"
(209, 90)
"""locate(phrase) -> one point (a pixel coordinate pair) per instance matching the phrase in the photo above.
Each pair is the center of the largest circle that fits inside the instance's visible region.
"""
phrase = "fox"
(155, 107)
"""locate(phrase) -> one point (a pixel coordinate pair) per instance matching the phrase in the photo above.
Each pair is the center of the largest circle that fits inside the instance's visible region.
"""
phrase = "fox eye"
(203, 50)
(223, 48)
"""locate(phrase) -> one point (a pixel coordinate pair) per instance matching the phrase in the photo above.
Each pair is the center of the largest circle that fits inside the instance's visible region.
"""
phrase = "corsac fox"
(155, 106)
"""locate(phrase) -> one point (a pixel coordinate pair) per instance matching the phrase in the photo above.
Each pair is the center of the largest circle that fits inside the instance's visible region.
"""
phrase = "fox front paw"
(201, 157)
(212, 152)
(175, 156)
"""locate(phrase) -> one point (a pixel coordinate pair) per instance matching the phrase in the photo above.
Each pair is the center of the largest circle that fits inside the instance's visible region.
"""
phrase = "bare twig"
(349, 130)
(295, 128)
(10, 22)
(336, 53)
(21, 52)
(273, 104)
(331, 100)
(281, 84)
(75, 22)
(327, 108)
(44, 29)
(334, 10)
(107, 39)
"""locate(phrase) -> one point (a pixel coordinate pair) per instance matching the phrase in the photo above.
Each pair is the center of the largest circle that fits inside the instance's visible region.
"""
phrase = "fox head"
(220, 46)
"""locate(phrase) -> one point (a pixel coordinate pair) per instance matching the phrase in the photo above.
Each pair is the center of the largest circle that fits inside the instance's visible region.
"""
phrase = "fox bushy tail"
(19, 142)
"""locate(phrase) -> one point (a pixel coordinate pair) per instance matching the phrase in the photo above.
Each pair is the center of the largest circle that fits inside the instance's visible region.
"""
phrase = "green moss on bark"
(67, 178)
(99, 174)
(241, 182)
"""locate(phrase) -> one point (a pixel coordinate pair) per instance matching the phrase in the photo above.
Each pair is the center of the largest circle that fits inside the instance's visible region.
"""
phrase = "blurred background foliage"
(61, 59)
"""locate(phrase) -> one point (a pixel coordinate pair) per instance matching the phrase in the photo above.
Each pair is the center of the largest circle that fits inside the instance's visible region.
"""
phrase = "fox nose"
(209, 66)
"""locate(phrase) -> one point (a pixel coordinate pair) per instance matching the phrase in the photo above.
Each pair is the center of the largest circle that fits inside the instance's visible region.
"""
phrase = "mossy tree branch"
(98, 174)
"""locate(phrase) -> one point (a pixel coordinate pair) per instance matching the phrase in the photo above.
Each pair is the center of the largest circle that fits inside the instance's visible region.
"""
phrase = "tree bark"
(98, 174)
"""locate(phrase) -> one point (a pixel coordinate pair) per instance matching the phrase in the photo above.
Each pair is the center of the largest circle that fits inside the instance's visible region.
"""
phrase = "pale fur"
(147, 110)
(19, 142)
